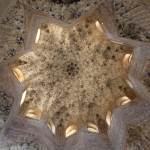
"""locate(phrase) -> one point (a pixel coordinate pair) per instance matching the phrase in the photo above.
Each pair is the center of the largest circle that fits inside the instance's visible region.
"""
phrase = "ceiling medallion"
(72, 70)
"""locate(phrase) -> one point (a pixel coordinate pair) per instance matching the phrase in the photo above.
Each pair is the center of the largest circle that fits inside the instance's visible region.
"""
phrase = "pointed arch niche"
(109, 118)
(92, 127)
(123, 100)
(51, 126)
(126, 60)
(34, 113)
(71, 130)
(18, 74)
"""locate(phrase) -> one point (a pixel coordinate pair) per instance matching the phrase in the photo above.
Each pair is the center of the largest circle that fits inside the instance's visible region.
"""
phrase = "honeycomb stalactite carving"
(13, 22)
(5, 106)
(145, 79)
(132, 20)
(24, 146)
(73, 76)
(4, 33)
(15, 18)
(72, 70)
(138, 137)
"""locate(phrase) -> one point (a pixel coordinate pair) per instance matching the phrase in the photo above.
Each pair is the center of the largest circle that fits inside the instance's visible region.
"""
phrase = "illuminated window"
(123, 100)
(71, 130)
(92, 128)
(51, 126)
(129, 83)
(108, 118)
(34, 113)
(126, 60)
(19, 75)
(23, 97)
(99, 27)
(37, 36)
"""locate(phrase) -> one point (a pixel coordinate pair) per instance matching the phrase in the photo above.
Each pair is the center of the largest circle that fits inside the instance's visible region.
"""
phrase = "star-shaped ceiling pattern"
(72, 73)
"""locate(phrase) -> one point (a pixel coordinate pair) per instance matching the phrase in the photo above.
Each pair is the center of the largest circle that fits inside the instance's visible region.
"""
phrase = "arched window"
(51, 126)
(126, 60)
(19, 75)
(108, 118)
(123, 100)
(23, 97)
(71, 130)
(92, 128)
(34, 113)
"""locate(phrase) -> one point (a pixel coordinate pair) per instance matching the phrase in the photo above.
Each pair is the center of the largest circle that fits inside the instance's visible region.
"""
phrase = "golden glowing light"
(19, 75)
(92, 128)
(129, 83)
(108, 118)
(51, 126)
(123, 100)
(126, 60)
(116, 42)
(34, 113)
(37, 36)
(23, 97)
(71, 130)
(99, 27)
(31, 115)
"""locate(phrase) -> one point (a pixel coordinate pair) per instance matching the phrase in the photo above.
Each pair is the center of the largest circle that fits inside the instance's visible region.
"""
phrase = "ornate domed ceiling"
(74, 73)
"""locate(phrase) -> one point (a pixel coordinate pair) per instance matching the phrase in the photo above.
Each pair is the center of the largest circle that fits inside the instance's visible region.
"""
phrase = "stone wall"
(116, 18)
(25, 146)
(86, 140)
(4, 5)
(132, 20)
(14, 20)
(25, 129)
(5, 106)
(138, 72)
(134, 113)
(138, 137)
(62, 11)
(145, 3)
